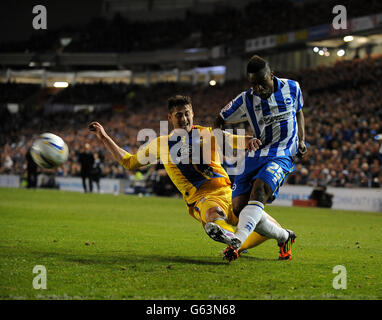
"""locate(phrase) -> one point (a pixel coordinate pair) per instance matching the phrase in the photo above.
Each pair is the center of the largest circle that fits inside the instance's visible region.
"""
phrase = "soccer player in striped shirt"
(205, 185)
(273, 108)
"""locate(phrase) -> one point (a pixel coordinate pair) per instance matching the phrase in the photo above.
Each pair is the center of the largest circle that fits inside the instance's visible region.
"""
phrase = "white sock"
(269, 229)
(249, 217)
(252, 218)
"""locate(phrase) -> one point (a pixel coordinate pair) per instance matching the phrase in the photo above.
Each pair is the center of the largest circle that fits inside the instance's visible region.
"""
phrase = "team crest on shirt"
(227, 106)
(184, 151)
(288, 101)
(208, 172)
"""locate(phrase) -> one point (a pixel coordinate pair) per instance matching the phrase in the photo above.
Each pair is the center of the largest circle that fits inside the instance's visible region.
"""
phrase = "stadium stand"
(226, 24)
(343, 117)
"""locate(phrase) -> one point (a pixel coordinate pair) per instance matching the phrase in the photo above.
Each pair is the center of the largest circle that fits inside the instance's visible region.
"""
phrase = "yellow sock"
(222, 223)
(253, 240)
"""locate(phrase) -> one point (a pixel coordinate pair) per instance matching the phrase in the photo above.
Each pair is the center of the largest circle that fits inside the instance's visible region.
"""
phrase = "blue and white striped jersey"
(273, 120)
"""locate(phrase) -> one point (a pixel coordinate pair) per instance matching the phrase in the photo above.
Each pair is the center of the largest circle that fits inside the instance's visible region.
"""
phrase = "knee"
(214, 213)
(237, 209)
(239, 203)
(260, 191)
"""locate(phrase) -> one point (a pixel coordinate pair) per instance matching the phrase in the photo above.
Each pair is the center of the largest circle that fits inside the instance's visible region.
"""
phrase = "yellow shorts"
(218, 197)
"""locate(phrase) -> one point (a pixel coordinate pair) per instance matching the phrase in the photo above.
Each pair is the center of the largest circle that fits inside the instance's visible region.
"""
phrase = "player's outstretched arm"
(302, 149)
(243, 142)
(117, 152)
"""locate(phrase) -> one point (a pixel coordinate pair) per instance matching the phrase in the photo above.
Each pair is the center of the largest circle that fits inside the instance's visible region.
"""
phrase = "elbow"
(219, 122)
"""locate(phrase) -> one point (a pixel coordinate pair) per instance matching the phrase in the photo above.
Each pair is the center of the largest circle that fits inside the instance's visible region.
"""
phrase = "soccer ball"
(49, 151)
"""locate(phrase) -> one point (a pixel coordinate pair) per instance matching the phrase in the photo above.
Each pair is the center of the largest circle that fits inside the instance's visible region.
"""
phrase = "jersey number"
(276, 171)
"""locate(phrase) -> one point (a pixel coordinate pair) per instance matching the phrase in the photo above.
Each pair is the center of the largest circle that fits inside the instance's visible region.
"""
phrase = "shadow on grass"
(128, 258)
(201, 260)
(245, 257)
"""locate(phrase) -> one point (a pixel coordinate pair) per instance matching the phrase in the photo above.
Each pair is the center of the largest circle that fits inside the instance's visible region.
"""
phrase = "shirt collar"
(280, 84)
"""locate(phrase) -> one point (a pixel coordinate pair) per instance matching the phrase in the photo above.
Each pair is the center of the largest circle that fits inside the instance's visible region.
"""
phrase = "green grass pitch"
(125, 247)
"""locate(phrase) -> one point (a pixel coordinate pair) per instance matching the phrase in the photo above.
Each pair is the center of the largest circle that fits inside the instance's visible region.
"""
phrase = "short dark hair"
(178, 101)
(256, 64)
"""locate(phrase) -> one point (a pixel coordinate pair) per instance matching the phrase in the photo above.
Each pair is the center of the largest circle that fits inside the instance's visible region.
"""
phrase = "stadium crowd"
(342, 110)
(225, 25)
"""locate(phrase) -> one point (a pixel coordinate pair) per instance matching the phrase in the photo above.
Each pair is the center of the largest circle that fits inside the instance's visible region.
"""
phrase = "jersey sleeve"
(299, 99)
(147, 154)
(235, 141)
(234, 112)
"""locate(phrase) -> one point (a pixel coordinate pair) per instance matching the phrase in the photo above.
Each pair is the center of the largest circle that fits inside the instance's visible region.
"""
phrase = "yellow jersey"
(192, 161)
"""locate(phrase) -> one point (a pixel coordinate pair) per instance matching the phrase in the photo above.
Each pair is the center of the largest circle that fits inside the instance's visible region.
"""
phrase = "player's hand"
(97, 129)
(302, 149)
(254, 144)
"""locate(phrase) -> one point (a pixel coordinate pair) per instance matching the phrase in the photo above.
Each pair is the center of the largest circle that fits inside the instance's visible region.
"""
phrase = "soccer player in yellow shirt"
(199, 176)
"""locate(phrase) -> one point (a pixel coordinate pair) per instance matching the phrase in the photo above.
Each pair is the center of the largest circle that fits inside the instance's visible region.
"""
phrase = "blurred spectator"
(226, 24)
(48, 180)
(86, 160)
(8, 165)
(96, 170)
(160, 182)
(139, 183)
(31, 171)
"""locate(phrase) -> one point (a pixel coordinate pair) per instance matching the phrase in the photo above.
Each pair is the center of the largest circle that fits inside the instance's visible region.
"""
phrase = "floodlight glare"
(348, 38)
(61, 84)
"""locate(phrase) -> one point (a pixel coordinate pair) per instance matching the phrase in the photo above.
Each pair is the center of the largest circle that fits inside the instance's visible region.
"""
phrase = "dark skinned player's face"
(182, 117)
(262, 82)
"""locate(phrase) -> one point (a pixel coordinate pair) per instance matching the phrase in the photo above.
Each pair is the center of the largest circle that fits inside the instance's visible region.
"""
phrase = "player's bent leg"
(220, 234)
(263, 188)
(272, 229)
(255, 238)
(216, 225)
(286, 247)
(210, 214)
(252, 213)
(239, 202)
(252, 239)
(272, 219)
(252, 217)
(261, 191)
